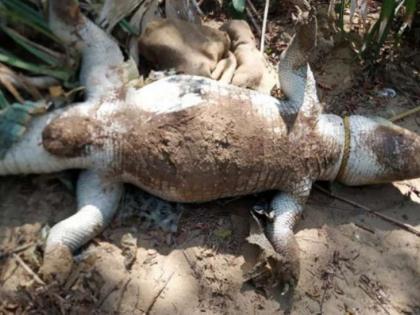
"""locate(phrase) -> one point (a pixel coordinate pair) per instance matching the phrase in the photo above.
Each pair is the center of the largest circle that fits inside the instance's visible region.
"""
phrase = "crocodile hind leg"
(97, 201)
(278, 223)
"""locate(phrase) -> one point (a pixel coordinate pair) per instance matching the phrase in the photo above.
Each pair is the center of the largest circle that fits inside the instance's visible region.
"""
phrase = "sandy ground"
(352, 262)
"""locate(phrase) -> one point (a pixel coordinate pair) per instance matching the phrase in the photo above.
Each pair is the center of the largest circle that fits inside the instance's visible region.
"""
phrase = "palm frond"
(18, 12)
(43, 53)
(14, 61)
(3, 101)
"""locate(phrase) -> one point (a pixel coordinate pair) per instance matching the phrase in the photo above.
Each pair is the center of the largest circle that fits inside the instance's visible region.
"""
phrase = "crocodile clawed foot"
(277, 267)
(286, 271)
(57, 265)
(273, 272)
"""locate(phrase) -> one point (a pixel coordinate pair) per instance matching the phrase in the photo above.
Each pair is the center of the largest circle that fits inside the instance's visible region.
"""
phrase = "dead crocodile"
(190, 139)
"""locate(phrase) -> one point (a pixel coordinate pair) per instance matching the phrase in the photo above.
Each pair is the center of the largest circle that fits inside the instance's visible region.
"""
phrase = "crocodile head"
(379, 152)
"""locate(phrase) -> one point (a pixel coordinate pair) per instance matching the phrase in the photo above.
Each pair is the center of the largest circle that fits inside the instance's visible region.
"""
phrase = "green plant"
(237, 8)
(239, 5)
(29, 46)
(376, 36)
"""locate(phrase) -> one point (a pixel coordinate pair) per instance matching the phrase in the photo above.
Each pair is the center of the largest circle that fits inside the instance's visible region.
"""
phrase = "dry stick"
(254, 22)
(250, 5)
(405, 114)
(136, 306)
(123, 293)
(264, 25)
(190, 263)
(28, 269)
(16, 250)
(197, 6)
(12, 90)
(373, 298)
(113, 289)
(253, 15)
(361, 226)
(384, 217)
(158, 294)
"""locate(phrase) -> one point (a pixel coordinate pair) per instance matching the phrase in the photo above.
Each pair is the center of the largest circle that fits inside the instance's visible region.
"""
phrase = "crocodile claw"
(261, 214)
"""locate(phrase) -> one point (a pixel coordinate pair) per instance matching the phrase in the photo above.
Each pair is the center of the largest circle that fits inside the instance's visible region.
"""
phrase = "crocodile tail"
(14, 121)
(379, 151)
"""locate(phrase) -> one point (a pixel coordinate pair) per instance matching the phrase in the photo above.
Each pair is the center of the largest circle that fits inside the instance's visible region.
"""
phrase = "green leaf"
(385, 18)
(379, 32)
(26, 12)
(223, 233)
(17, 12)
(32, 47)
(410, 11)
(14, 121)
(239, 5)
(342, 5)
(14, 61)
(127, 27)
(3, 101)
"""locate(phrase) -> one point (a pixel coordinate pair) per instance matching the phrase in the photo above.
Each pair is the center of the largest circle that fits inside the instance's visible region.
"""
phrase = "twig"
(149, 309)
(405, 114)
(373, 298)
(113, 289)
(190, 263)
(360, 226)
(28, 269)
(264, 25)
(122, 293)
(16, 250)
(136, 306)
(197, 7)
(321, 302)
(12, 90)
(72, 278)
(254, 11)
(254, 22)
(61, 303)
(384, 217)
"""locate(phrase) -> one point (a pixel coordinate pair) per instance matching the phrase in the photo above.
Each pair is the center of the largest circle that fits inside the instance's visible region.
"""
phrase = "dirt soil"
(351, 262)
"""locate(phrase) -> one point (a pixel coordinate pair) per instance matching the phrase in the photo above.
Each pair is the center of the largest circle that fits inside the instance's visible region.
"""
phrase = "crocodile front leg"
(97, 200)
(295, 75)
(104, 72)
